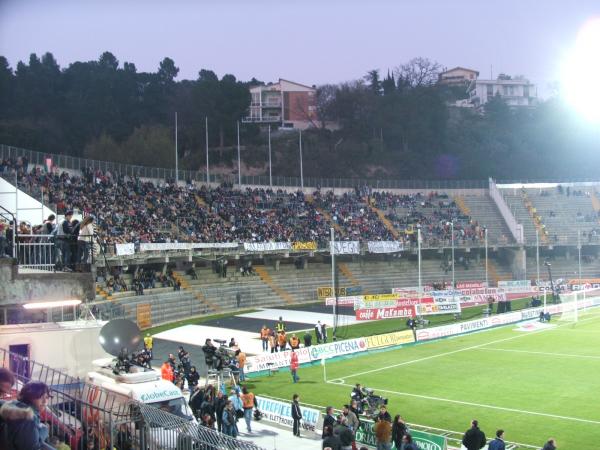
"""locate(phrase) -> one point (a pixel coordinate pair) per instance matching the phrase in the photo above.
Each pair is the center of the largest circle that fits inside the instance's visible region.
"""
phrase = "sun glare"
(581, 72)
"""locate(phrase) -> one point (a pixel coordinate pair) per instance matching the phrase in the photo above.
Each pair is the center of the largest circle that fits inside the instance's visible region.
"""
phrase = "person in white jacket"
(85, 240)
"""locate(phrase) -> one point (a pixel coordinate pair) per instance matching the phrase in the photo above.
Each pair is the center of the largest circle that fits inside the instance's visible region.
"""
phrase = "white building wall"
(29, 209)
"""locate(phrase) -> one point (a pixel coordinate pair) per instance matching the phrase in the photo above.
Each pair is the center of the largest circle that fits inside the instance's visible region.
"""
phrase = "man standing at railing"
(63, 244)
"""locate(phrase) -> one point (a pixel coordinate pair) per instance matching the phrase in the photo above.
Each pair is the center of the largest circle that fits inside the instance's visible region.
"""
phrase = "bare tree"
(418, 72)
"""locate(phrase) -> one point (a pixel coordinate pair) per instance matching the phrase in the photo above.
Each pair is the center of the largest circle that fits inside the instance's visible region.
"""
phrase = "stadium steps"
(266, 278)
(493, 272)
(348, 274)
(199, 296)
(484, 210)
(516, 205)
(560, 214)
(462, 206)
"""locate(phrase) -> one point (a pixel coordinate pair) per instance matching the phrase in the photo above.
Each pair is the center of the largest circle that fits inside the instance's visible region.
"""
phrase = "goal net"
(574, 304)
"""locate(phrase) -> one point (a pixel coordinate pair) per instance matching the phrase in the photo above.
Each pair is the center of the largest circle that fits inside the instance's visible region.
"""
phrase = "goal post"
(573, 303)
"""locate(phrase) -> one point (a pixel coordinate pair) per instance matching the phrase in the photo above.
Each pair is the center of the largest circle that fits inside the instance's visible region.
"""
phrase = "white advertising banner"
(265, 361)
(344, 247)
(384, 246)
(344, 301)
(281, 413)
(162, 246)
(266, 246)
(125, 249)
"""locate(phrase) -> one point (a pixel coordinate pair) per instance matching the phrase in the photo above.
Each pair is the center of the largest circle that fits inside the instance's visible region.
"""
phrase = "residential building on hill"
(516, 92)
(284, 104)
(459, 76)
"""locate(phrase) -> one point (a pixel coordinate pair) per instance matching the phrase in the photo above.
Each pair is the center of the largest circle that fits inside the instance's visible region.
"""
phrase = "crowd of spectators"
(129, 209)
(353, 215)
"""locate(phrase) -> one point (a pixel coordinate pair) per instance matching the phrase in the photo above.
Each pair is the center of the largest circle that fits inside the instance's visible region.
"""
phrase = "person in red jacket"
(166, 372)
(294, 366)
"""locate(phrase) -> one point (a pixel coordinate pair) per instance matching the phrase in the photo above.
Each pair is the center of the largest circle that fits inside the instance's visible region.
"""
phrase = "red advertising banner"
(470, 284)
(385, 313)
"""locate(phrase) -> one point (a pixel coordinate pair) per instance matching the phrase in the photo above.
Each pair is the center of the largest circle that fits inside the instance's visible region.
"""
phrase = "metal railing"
(49, 253)
(79, 412)
(76, 163)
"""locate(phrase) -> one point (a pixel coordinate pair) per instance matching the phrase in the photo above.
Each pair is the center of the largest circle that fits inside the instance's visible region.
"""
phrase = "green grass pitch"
(534, 385)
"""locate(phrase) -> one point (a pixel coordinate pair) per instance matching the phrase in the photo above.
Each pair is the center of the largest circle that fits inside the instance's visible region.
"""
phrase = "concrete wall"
(19, 288)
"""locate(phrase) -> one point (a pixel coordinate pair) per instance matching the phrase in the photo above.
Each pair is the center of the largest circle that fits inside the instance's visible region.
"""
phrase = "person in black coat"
(330, 440)
(296, 414)
(328, 420)
(192, 378)
(550, 445)
(220, 401)
(398, 430)
(474, 438)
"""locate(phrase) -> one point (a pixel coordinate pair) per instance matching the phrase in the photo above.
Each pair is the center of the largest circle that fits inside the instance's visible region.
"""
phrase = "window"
(490, 90)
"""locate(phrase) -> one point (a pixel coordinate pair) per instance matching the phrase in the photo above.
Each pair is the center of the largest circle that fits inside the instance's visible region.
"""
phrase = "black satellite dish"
(120, 336)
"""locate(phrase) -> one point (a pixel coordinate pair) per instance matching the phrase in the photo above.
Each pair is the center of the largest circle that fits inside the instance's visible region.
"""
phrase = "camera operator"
(210, 357)
(359, 394)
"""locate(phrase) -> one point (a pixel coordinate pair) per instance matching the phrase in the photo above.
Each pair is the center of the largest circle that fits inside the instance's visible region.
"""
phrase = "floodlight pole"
(452, 240)
(206, 138)
(176, 162)
(239, 159)
(537, 255)
(332, 251)
(301, 171)
(580, 283)
(419, 258)
(270, 166)
(486, 257)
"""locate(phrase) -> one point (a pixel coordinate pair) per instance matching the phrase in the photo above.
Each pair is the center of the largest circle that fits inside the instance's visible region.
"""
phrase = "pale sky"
(312, 42)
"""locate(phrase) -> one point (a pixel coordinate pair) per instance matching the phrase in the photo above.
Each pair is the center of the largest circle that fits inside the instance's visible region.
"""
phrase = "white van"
(145, 386)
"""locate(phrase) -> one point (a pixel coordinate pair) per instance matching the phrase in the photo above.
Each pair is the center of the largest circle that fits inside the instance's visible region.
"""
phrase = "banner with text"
(385, 313)
(310, 245)
(125, 249)
(327, 291)
(266, 246)
(384, 246)
(390, 339)
(162, 246)
(266, 361)
(344, 247)
(438, 308)
(281, 413)
(343, 301)
(470, 284)
(399, 302)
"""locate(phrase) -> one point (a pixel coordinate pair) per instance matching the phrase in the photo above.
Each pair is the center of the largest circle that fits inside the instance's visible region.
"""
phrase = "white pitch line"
(473, 347)
(568, 355)
(481, 405)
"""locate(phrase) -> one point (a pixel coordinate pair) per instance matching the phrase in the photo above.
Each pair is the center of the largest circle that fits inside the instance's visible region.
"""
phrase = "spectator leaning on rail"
(474, 438)
(23, 428)
(498, 442)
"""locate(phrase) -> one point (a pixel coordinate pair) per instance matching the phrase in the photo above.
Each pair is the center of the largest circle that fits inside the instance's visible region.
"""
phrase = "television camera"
(367, 402)
(217, 358)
